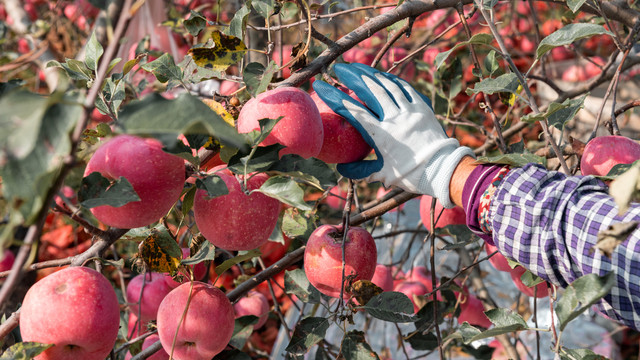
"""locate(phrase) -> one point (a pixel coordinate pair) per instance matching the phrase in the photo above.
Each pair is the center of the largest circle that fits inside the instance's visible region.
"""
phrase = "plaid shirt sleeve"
(549, 222)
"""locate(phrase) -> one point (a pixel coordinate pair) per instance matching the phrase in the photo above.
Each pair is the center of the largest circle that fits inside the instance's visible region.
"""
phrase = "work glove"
(413, 151)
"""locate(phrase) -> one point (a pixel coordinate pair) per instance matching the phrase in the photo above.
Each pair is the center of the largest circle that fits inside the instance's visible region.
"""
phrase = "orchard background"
(517, 81)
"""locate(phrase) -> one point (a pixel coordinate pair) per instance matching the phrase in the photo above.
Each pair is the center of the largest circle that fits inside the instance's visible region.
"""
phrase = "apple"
(411, 288)
(336, 198)
(254, 303)
(398, 275)
(453, 216)
(422, 275)
(286, 57)
(148, 341)
(156, 176)
(207, 325)
(323, 257)
(69, 193)
(273, 251)
(77, 310)
(383, 277)
(604, 152)
(199, 271)
(498, 260)
(472, 311)
(236, 221)
(396, 54)
(228, 87)
(155, 289)
(7, 260)
(516, 274)
(342, 142)
(300, 129)
(99, 117)
(358, 55)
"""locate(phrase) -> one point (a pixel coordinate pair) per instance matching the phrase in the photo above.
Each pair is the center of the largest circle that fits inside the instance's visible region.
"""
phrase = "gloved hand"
(413, 151)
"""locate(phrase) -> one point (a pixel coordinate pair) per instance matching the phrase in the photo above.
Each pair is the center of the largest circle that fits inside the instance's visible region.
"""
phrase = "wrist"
(458, 179)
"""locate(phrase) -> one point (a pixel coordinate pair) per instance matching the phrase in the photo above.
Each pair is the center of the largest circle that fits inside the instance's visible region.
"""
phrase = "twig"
(434, 279)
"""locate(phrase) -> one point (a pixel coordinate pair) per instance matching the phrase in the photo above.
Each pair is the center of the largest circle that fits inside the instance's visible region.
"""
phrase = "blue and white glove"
(413, 151)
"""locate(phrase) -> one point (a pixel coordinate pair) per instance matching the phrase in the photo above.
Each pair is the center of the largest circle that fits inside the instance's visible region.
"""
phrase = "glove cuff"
(437, 174)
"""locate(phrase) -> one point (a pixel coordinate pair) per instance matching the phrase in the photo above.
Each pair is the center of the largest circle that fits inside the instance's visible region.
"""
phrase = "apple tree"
(178, 149)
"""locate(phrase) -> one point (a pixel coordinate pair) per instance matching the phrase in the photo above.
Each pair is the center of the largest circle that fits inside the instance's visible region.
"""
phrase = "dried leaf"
(227, 50)
(615, 234)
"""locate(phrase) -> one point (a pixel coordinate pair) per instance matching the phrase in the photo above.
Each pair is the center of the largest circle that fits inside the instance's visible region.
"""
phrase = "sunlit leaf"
(24, 350)
(517, 160)
(164, 68)
(568, 34)
(227, 264)
(220, 110)
(93, 51)
(286, 190)
(227, 50)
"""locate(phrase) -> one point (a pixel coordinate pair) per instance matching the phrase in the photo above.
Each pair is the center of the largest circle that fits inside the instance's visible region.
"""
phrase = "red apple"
(228, 87)
(7, 260)
(254, 303)
(604, 152)
(411, 288)
(158, 355)
(199, 271)
(398, 275)
(236, 221)
(323, 258)
(273, 251)
(99, 117)
(453, 216)
(207, 325)
(77, 310)
(336, 198)
(358, 55)
(300, 129)
(155, 289)
(286, 57)
(156, 176)
(498, 260)
(542, 291)
(342, 142)
(383, 277)
(69, 193)
(472, 311)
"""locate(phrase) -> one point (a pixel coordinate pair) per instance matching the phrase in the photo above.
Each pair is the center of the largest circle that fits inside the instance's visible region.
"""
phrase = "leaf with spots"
(160, 251)
(227, 50)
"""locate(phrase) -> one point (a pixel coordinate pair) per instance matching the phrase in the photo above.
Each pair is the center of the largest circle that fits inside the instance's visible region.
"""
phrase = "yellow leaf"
(155, 252)
(226, 51)
(220, 110)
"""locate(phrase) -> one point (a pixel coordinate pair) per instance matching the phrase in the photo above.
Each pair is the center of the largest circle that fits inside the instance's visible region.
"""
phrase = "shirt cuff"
(475, 186)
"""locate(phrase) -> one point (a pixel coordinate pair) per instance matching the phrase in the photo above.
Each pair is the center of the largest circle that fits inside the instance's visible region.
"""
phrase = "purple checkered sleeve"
(549, 222)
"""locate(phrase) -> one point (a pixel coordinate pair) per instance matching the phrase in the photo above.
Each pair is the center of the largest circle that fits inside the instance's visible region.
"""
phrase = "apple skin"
(207, 326)
(411, 288)
(472, 311)
(323, 258)
(199, 271)
(77, 310)
(383, 277)
(7, 260)
(453, 216)
(158, 355)
(335, 198)
(542, 291)
(155, 289)
(236, 221)
(286, 57)
(498, 260)
(604, 152)
(156, 176)
(342, 142)
(254, 303)
(300, 130)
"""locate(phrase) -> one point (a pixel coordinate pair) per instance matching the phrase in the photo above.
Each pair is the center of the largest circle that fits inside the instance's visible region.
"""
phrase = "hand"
(413, 151)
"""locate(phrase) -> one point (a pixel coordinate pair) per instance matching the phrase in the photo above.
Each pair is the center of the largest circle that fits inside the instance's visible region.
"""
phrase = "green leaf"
(355, 347)
(285, 190)
(263, 7)
(503, 318)
(423, 341)
(77, 70)
(626, 188)
(517, 160)
(308, 332)
(491, 62)
(195, 23)
(261, 160)
(242, 330)
(558, 114)
(187, 200)
(238, 24)
(504, 83)
(164, 68)
(579, 354)
(227, 264)
(391, 306)
(568, 34)
(93, 52)
(462, 235)
(207, 251)
(530, 280)
(506, 323)
(97, 190)
(266, 126)
(21, 117)
(477, 39)
(185, 115)
(297, 224)
(296, 283)
(24, 350)
(257, 77)
(213, 185)
(311, 170)
(575, 5)
(617, 170)
(581, 294)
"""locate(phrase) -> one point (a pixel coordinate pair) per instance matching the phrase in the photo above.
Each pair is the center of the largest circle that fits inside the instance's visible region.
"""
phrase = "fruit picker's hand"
(413, 151)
